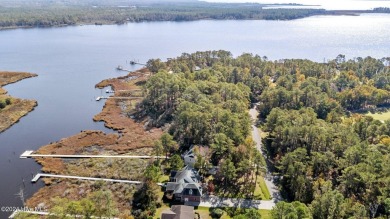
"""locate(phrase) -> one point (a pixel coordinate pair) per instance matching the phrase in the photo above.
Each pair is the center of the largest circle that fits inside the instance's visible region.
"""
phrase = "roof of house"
(179, 211)
(186, 178)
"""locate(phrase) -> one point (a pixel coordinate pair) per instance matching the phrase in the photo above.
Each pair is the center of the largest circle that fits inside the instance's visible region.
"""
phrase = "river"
(71, 60)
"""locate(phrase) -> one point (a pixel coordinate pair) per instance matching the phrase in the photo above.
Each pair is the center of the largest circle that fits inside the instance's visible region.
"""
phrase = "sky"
(326, 4)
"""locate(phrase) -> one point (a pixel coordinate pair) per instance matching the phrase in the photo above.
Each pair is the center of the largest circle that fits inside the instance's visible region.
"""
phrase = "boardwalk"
(44, 213)
(39, 175)
(29, 154)
(116, 97)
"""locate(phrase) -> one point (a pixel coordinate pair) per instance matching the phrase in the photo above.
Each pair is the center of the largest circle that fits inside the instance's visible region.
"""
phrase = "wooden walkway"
(29, 154)
(116, 97)
(39, 175)
(44, 213)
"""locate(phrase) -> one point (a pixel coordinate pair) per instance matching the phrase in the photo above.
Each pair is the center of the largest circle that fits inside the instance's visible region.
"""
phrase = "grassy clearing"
(380, 115)
(261, 190)
(264, 189)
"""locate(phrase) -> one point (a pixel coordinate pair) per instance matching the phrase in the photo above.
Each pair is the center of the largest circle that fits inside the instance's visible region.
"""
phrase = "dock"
(29, 154)
(136, 63)
(44, 213)
(120, 68)
(39, 175)
(115, 97)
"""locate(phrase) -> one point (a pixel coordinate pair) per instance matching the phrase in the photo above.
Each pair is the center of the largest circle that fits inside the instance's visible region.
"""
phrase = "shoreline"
(131, 138)
(325, 13)
(18, 108)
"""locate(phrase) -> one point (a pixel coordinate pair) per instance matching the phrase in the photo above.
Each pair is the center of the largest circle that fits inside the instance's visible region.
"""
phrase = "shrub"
(2, 104)
(8, 101)
(216, 213)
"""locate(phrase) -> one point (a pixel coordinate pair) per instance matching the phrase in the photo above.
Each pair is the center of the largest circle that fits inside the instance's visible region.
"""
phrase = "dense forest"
(14, 14)
(332, 162)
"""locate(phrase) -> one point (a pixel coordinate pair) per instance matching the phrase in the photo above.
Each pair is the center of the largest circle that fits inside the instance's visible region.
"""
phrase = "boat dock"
(120, 68)
(29, 154)
(39, 175)
(116, 97)
(44, 213)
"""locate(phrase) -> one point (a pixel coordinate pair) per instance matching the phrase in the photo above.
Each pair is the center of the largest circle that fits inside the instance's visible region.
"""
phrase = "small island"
(11, 108)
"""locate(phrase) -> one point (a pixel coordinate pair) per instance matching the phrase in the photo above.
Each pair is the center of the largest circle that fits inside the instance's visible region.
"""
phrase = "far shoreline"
(97, 23)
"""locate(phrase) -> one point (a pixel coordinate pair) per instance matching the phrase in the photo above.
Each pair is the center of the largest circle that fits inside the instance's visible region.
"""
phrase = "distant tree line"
(29, 16)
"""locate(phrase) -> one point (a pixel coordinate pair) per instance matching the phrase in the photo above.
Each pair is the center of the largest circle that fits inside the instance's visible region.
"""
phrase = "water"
(71, 60)
(324, 4)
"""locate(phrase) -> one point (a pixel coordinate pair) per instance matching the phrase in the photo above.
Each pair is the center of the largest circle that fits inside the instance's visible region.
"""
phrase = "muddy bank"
(131, 138)
(14, 108)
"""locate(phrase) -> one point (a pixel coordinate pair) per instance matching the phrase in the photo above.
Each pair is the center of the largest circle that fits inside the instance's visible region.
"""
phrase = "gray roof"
(186, 176)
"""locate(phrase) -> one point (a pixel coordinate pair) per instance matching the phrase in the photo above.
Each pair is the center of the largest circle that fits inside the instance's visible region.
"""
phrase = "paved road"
(215, 201)
(269, 178)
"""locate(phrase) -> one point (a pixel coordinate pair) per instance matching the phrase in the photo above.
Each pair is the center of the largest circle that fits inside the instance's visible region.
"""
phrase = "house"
(184, 186)
(179, 212)
(190, 156)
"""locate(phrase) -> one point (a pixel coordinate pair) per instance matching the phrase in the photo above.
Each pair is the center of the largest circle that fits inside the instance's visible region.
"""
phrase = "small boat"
(119, 68)
(98, 98)
(110, 91)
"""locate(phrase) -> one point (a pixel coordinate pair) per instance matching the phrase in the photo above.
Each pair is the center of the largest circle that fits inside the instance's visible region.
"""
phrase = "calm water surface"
(71, 60)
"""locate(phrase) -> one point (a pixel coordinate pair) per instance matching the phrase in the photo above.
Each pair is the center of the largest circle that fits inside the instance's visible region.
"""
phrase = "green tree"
(176, 162)
(105, 205)
(168, 143)
(145, 200)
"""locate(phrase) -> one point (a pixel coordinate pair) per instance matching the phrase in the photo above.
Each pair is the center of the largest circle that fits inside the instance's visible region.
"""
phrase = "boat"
(119, 68)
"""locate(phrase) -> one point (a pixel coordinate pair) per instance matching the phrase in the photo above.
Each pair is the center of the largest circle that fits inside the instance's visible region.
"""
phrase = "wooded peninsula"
(329, 158)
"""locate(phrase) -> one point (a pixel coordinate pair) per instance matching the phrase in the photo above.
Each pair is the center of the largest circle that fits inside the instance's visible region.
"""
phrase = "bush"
(8, 101)
(2, 104)
(216, 213)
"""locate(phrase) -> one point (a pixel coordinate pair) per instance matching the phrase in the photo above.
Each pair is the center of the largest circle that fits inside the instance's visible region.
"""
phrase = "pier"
(29, 154)
(39, 175)
(116, 97)
(44, 213)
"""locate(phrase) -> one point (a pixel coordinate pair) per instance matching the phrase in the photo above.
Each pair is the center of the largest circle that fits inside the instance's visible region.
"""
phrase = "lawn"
(205, 213)
(380, 115)
(160, 210)
(261, 189)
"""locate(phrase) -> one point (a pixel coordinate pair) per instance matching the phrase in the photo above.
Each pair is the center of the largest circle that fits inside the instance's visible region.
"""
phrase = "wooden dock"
(44, 213)
(39, 175)
(116, 97)
(29, 154)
